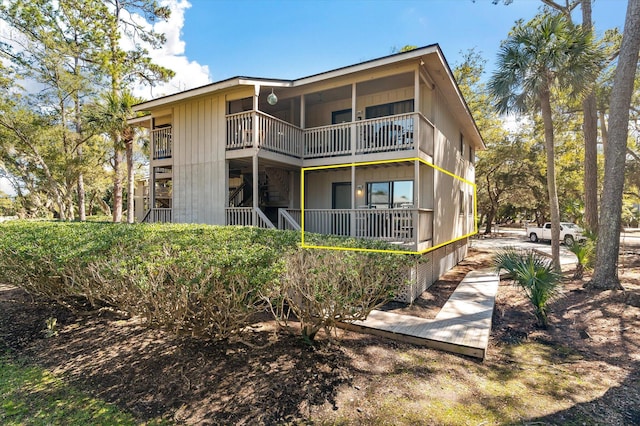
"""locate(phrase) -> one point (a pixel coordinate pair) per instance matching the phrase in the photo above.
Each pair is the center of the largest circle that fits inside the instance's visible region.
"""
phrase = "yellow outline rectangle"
(366, 163)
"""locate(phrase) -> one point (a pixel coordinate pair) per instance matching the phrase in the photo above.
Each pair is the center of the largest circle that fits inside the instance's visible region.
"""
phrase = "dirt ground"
(583, 370)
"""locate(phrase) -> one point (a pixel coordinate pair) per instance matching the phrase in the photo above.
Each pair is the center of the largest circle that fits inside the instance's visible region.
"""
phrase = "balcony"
(403, 132)
(161, 143)
(270, 134)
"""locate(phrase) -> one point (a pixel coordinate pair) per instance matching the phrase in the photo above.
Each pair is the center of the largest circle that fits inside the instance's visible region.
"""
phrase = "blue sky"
(290, 39)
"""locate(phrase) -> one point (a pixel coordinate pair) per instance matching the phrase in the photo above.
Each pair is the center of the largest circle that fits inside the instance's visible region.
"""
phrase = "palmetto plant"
(535, 274)
(584, 252)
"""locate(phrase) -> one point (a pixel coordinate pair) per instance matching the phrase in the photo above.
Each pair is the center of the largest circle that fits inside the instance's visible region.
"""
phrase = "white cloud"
(188, 74)
(6, 187)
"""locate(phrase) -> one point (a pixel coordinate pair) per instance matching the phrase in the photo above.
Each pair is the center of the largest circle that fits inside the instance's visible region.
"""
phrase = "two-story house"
(396, 132)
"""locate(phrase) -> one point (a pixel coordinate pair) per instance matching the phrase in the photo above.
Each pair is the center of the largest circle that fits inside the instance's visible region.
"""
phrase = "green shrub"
(198, 279)
(535, 274)
(187, 278)
(323, 287)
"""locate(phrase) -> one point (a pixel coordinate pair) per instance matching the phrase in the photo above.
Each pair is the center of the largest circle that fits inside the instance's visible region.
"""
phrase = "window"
(461, 200)
(471, 155)
(461, 144)
(470, 204)
(240, 105)
(342, 116)
(391, 194)
(392, 108)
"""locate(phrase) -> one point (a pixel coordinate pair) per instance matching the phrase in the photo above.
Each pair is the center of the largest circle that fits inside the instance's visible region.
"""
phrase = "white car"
(569, 232)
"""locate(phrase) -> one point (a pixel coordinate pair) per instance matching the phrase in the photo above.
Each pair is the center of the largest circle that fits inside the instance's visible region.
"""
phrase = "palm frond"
(535, 275)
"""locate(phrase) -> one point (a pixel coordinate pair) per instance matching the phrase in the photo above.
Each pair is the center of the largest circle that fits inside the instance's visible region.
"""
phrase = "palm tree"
(535, 275)
(539, 58)
(110, 116)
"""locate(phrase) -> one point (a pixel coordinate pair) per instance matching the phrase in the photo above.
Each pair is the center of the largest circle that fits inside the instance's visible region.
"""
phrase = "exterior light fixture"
(359, 189)
(272, 99)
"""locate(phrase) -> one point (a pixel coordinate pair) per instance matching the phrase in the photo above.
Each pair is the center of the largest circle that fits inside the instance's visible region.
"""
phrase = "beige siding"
(199, 161)
(449, 223)
(426, 102)
(426, 186)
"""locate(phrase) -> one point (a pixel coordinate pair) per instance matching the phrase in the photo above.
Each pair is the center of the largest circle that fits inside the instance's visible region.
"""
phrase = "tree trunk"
(590, 129)
(603, 129)
(82, 213)
(117, 180)
(78, 119)
(605, 275)
(130, 183)
(490, 216)
(545, 106)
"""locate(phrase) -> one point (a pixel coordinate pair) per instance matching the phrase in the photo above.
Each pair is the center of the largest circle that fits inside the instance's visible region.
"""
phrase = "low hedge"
(198, 279)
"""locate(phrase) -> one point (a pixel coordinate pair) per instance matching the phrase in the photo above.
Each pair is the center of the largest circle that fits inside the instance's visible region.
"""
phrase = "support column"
(302, 112)
(416, 108)
(416, 202)
(254, 118)
(256, 190)
(352, 214)
(354, 99)
(226, 185)
(254, 159)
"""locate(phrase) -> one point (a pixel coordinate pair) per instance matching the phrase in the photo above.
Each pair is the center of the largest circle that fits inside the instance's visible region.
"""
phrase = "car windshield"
(570, 225)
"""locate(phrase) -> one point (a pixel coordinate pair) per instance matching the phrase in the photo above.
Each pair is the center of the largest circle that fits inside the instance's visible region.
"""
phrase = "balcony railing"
(272, 133)
(327, 141)
(384, 134)
(161, 145)
(394, 133)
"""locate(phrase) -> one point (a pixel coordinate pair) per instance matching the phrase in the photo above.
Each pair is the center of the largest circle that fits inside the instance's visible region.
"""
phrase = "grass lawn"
(31, 395)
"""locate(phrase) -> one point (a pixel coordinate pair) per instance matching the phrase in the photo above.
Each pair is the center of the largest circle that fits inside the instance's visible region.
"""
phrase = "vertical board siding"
(199, 162)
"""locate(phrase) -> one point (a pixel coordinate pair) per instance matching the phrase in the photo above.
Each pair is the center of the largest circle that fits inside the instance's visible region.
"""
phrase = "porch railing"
(287, 221)
(247, 216)
(406, 226)
(158, 215)
(242, 216)
(161, 144)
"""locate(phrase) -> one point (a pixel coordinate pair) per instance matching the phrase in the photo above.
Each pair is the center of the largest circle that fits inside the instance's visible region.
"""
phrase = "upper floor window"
(461, 144)
(471, 155)
(461, 201)
(392, 108)
(342, 116)
(240, 105)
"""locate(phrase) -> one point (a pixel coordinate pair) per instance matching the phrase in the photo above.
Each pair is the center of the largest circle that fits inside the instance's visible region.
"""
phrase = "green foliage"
(323, 287)
(546, 52)
(195, 279)
(585, 254)
(536, 276)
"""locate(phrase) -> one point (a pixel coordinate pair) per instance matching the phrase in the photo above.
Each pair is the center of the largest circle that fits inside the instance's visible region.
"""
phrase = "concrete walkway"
(462, 325)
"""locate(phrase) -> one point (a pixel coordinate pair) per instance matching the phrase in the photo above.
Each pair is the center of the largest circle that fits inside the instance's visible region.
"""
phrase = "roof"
(431, 55)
